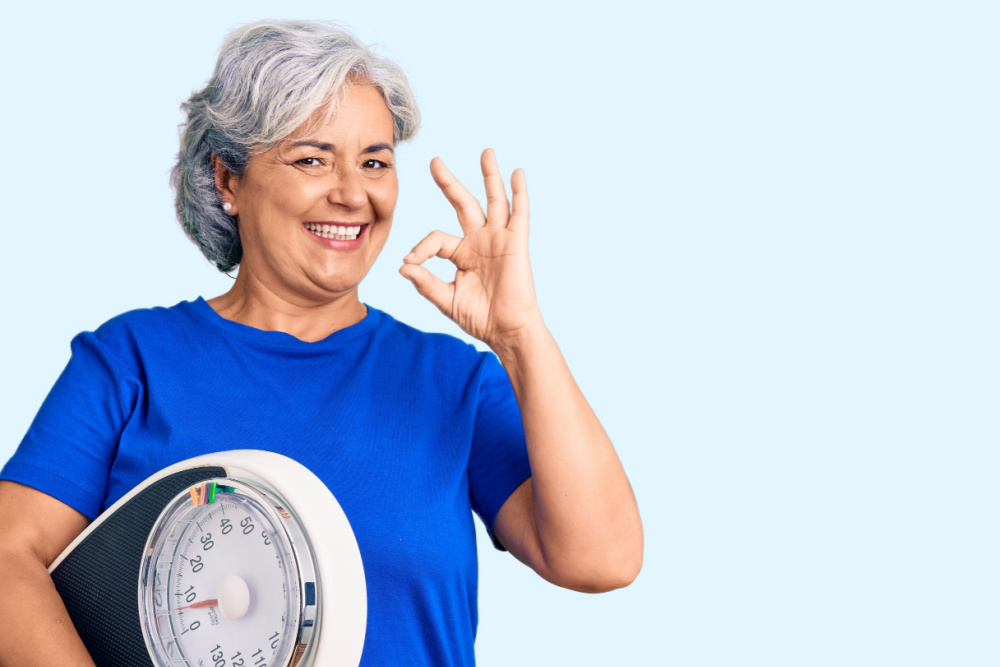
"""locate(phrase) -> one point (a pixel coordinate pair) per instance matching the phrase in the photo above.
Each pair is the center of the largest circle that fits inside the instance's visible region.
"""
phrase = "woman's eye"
(375, 164)
(310, 162)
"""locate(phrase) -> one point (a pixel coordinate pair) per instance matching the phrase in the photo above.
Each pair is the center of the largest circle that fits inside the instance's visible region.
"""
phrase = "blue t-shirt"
(409, 430)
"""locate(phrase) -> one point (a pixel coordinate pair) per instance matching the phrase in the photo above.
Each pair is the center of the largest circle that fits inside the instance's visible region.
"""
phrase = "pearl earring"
(227, 207)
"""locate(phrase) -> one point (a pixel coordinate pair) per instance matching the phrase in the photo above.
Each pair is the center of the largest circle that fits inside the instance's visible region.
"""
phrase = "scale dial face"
(223, 584)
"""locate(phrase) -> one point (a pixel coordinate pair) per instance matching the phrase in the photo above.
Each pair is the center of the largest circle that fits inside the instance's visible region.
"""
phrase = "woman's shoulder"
(398, 329)
(124, 336)
(444, 348)
(150, 317)
(148, 323)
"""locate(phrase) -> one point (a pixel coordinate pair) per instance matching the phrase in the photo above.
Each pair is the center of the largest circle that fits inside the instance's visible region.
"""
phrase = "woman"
(287, 170)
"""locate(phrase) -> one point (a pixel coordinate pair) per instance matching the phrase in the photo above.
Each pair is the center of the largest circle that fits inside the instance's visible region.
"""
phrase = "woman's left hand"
(492, 297)
(575, 520)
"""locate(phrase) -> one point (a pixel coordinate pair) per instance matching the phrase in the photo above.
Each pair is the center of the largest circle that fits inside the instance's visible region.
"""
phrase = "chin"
(335, 286)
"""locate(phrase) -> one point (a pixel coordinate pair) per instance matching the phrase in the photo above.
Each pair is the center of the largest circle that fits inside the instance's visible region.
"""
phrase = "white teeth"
(336, 232)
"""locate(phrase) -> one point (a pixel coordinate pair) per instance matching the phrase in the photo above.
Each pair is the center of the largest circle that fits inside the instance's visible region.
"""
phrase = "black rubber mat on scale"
(99, 579)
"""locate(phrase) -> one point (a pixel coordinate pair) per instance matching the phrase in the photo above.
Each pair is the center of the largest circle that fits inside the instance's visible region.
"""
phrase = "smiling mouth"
(336, 232)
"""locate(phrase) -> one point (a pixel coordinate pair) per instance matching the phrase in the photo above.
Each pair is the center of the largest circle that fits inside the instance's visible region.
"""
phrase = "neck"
(258, 305)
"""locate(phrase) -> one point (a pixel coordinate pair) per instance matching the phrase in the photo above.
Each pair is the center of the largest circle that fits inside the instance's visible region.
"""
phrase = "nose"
(347, 188)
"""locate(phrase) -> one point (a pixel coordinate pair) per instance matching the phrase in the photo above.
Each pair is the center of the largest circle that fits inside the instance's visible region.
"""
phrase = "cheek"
(297, 197)
(282, 193)
(383, 198)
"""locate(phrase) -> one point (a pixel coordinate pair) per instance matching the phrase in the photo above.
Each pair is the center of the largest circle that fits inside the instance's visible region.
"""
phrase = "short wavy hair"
(271, 77)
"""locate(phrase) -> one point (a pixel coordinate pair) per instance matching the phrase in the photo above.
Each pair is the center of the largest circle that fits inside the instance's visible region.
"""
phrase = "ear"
(225, 183)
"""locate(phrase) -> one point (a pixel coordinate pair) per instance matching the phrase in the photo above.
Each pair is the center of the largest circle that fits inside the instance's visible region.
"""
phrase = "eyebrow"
(315, 144)
(374, 148)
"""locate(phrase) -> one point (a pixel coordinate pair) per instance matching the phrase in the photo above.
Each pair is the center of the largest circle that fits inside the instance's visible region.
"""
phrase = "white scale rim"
(337, 636)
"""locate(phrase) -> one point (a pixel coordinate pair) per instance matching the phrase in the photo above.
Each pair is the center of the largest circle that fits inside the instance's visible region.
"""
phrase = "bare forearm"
(585, 513)
(37, 629)
(575, 521)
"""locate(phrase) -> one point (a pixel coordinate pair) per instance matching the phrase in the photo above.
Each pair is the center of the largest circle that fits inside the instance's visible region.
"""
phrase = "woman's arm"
(575, 522)
(34, 530)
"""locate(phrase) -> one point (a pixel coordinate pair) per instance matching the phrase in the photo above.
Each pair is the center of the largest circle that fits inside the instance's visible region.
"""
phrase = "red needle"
(200, 605)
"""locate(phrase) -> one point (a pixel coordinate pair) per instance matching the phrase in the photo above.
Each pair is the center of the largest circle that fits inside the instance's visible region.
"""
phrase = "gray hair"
(271, 77)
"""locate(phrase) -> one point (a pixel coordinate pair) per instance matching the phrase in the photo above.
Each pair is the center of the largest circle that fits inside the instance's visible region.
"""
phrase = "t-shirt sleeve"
(70, 446)
(498, 462)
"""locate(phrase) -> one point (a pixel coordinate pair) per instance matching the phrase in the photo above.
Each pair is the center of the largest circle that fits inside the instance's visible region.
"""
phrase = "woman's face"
(315, 211)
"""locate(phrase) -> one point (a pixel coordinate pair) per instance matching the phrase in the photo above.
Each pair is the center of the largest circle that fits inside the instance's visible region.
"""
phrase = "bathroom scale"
(241, 558)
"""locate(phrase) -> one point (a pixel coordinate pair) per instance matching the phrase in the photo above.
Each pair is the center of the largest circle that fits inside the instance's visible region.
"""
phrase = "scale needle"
(200, 605)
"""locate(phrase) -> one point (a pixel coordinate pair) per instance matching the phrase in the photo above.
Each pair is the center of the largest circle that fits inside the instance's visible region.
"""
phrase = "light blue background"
(764, 234)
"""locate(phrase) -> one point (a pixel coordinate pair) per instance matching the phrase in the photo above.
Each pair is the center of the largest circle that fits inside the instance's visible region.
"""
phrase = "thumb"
(430, 286)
